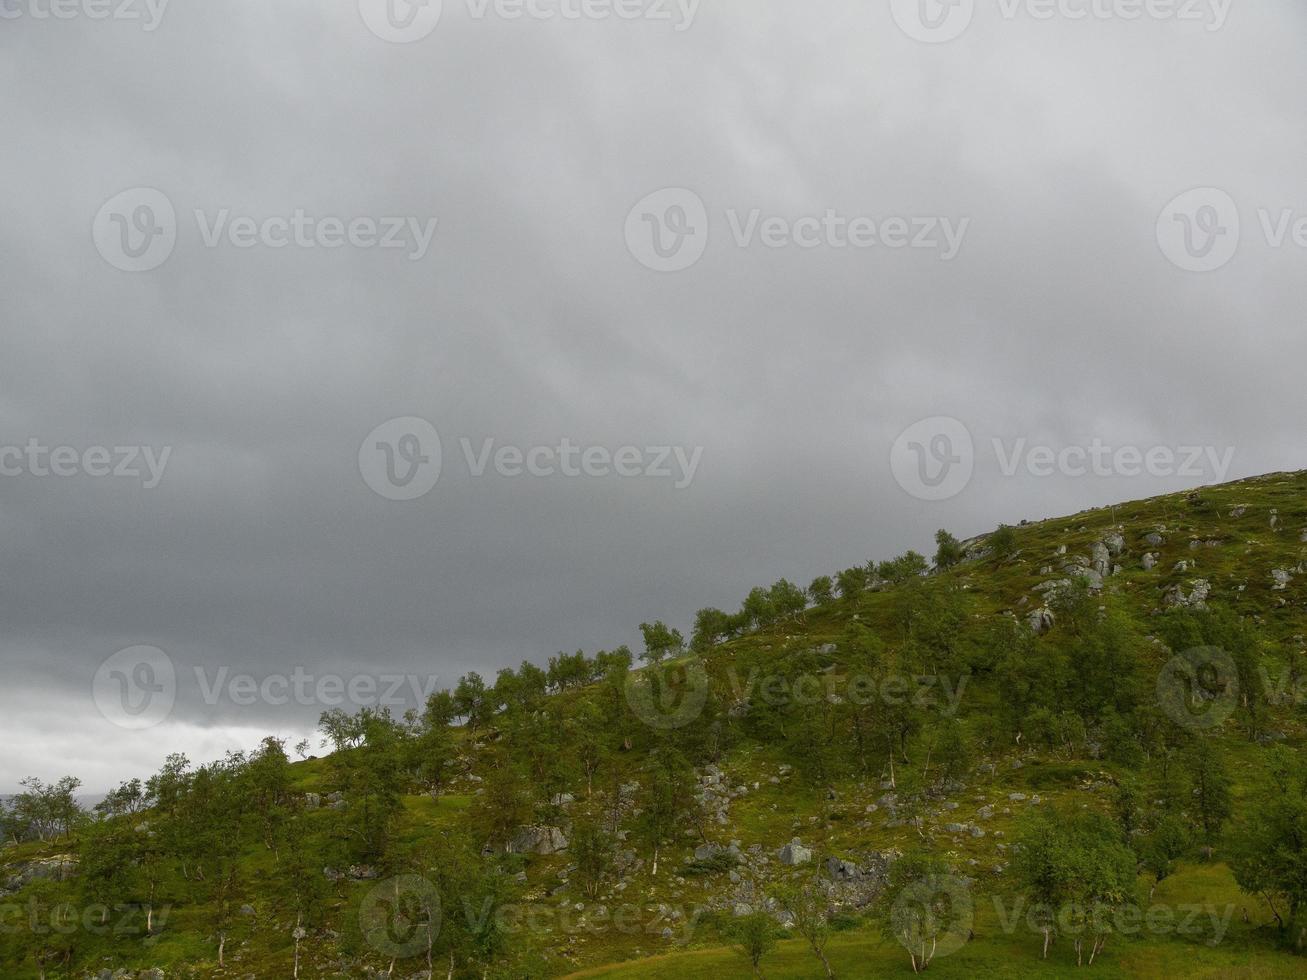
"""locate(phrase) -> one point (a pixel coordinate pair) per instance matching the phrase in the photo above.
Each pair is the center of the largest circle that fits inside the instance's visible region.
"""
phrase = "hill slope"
(1122, 684)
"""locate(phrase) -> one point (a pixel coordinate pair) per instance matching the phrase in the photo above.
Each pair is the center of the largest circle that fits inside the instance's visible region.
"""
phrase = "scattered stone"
(1200, 590)
(794, 853)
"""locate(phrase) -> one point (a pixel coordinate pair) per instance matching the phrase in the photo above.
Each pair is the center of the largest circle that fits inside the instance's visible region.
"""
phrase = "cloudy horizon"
(362, 340)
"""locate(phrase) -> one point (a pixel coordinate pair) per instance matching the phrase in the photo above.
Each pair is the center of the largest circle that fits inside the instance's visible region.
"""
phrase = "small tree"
(924, 907)
(505, 805)
(1074, 861)
(851, 582)
(904, 568)
(668, 797)
(822, 590)
(1003, 542)
(948, 549)
(788, 601)
(710, 626)
(1269, 848)
(1159, 851)
(660, 640)
(471, 701)
(807, 906)
(591, 850)
(753, 936)
(1210, 782)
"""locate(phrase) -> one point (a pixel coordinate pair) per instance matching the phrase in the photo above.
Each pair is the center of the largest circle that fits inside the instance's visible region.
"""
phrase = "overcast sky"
(1066, 307)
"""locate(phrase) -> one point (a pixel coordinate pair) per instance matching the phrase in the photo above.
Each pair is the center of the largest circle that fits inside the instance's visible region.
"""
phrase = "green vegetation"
(1068, 744)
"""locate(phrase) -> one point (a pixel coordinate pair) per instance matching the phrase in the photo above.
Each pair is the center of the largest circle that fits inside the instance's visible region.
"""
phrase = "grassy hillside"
(1139, 662)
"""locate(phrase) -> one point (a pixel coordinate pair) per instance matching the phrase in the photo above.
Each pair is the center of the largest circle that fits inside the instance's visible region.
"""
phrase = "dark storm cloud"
(263, 550)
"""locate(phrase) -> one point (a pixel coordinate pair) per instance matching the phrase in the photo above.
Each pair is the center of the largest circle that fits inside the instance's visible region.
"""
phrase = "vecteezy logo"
(933, 21)
(934, 459)
(1199, 689)
(400, 459)
(136, 230)
(401, 916)
(668, 230)
(933, 916)
(401, 21)
(1199, 230)
(136, 688)
(668, 696)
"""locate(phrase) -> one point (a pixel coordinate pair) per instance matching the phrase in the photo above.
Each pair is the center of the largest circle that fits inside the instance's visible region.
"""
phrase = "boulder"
(843, 871)
(54, 868)
(538, 840)
(794, 853)
(1101, 560)
(1176, 598)
(1041, 620)
(706, 852)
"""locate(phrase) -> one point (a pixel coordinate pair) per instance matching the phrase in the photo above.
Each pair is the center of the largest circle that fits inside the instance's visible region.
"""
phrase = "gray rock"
(538, 840)
(1053, 586)
(1041, 620)
(1101, 560)
(55, 868)
(1200, 591)
(1115, 544)
(1149, 562)
(794, 853)
(706, 852)
(841, 870)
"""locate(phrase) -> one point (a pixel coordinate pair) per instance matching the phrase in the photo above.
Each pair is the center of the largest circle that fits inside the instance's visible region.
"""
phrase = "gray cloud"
(263, 549)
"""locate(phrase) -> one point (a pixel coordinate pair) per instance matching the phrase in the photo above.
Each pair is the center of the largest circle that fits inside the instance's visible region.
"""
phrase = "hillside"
(1086, 731)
